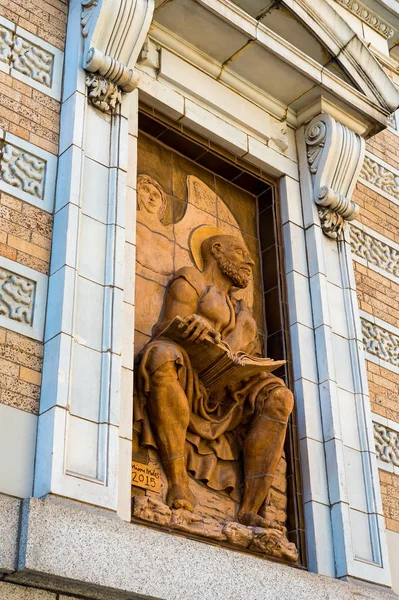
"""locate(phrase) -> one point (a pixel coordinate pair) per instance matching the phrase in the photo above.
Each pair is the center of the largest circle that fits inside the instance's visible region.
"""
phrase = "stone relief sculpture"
(16, 297)
(219, 444)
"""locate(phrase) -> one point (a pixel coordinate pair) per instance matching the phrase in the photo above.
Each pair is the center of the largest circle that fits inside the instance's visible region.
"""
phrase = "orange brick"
(8, 252)
(28, 248)
(30, 376)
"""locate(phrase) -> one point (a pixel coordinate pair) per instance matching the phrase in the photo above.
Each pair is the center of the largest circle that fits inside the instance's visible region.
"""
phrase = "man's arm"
(181, 300)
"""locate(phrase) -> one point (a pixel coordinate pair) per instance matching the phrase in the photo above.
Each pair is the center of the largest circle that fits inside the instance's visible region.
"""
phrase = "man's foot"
(251, 519)
(179, 496)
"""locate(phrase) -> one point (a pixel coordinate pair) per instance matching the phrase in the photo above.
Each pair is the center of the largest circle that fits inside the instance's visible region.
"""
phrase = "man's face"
(150, 198)
(234, 261)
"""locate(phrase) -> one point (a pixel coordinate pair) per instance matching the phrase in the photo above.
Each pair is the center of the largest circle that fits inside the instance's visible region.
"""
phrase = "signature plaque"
(146, 477)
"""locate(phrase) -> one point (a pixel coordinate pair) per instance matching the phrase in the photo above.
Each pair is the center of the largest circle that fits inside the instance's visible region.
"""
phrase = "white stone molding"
(335, 156)
(27, 172)
(380, 341)
(84, 442)
(23, 294)
(375, 251)
(17, 447)
(368, 16)
(114, 32)
(351, 501)
(380, 177)
(30, 59)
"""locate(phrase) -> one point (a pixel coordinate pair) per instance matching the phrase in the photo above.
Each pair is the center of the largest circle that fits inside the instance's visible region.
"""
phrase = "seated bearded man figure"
(222, 439)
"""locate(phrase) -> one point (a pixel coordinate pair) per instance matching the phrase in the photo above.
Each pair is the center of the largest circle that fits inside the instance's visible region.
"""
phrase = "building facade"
(132, 133)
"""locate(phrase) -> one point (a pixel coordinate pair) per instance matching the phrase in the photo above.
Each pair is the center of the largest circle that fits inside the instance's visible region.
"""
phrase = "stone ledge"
(74, 548)
(9, 525)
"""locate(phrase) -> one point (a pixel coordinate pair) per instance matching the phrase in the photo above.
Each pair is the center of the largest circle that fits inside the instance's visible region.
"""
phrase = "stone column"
(84, 447)
(331, 156)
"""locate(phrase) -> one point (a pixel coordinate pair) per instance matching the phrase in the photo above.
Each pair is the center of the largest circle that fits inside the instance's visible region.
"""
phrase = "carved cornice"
(335, 156)
(368, 16)
(114, 32)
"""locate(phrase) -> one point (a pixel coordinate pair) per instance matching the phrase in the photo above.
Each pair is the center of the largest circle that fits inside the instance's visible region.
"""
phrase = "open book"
(215, 362)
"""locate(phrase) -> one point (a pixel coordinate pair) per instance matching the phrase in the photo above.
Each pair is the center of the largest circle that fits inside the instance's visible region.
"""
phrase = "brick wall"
(378, 295)
(25, 230)
(390, 499)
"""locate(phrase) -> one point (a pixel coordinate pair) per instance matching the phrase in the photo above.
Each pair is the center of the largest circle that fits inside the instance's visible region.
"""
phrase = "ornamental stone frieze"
(16, 297)
(386, 444)
(380, 342)
(365, 14)
(374, 251)
(334, 156)
(381, 177)
(31, 59)
(114, 32)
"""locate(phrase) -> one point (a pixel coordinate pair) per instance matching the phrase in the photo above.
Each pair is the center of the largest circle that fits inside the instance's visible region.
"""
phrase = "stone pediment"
(295, 52)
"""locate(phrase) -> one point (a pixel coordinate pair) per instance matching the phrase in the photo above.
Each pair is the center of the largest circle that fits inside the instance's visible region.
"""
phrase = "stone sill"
(68, 547)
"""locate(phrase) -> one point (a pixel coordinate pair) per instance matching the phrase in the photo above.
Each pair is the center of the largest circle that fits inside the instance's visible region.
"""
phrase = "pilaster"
(83, 449)
(331, 156)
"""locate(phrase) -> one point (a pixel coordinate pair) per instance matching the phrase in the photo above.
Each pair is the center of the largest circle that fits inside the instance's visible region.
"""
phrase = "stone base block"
(9, 525)
(74, 548)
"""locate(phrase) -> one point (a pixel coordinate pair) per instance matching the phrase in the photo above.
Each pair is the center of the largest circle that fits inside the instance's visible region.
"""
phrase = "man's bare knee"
(166, 371)
(279, 404)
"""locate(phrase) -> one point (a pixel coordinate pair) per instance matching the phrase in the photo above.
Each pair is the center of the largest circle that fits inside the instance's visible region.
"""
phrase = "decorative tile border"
(380, 177)
(27, 172)
(380, 341)
(375, 251)
(30, 59)
(23, 295)
(365, 14)
(386, 439)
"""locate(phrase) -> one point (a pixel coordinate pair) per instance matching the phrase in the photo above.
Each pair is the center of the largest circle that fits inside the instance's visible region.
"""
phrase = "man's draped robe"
(218, 423)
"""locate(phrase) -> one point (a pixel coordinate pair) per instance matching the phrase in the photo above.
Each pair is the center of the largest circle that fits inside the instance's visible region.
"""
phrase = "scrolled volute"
(114, 32)
(335, 156)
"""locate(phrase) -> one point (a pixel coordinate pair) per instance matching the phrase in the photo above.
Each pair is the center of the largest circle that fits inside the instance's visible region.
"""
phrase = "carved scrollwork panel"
(16, 297)
(381, 177)
(334, 154)
(380, 342)
(114, 33)
(386, 444)
(6, 37)
(374, 251)
(23, 170)
(32, 61)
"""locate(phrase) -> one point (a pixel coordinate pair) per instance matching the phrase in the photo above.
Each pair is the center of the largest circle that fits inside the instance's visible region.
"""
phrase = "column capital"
(334, 156)
(114, 32)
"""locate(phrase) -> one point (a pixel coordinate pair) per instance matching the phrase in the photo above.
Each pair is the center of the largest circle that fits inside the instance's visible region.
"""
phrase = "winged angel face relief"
(206, 404)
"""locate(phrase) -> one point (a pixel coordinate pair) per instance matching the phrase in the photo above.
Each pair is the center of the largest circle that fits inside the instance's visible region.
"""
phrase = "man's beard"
(229, 268)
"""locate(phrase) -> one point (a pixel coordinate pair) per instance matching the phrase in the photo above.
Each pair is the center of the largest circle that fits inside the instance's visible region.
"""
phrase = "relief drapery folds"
(219, 450)
(335, 156)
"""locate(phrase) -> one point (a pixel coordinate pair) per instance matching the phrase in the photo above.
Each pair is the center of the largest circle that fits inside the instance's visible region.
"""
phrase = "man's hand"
(196, 328)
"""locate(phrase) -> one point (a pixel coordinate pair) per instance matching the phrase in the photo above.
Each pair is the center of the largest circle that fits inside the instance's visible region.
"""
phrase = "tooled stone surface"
(380, 342)
(32, 61)
(16, 297)
(272, 542)
(386, 444)
(5, 44)
(381, 177)
(23, 170)
(374, 251)
(368, 16)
